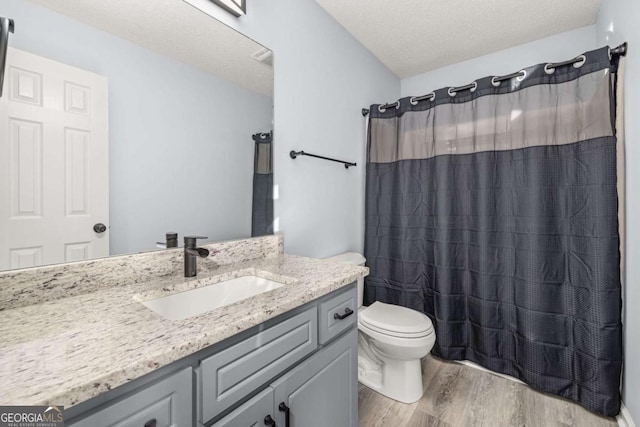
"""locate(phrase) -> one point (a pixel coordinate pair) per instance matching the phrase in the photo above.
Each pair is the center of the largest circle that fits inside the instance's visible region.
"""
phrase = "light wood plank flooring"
(461, 396)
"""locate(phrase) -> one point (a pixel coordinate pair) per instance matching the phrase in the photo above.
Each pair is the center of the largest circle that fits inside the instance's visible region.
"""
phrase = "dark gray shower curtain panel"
(495, 213)
(262, 207)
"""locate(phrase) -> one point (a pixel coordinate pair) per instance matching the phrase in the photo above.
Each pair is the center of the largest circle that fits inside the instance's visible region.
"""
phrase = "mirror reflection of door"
(54, 170)
(182, 106)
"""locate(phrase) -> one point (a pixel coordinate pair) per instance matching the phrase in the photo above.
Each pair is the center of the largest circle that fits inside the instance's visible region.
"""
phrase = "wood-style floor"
(462, 396)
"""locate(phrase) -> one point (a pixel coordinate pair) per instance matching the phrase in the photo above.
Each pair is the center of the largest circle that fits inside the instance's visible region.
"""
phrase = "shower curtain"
(262, 207)
(494, 211)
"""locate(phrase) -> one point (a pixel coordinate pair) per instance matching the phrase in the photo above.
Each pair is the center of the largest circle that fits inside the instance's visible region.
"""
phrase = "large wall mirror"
(123, 120)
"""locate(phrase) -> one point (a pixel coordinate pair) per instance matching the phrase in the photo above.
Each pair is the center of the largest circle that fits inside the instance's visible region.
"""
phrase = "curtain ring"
(451, 94)
(523, 76)
(382, 110)
(548, 69)
(494, 82)
(581, 60)
(412, 101)
(475, 86)
(264, 135)
(431, 97)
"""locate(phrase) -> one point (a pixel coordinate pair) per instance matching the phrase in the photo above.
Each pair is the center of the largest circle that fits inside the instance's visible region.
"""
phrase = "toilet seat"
(391, 334)
(395, 321)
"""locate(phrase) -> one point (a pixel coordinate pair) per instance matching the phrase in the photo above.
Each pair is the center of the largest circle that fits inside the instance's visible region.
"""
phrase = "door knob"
(99, 228)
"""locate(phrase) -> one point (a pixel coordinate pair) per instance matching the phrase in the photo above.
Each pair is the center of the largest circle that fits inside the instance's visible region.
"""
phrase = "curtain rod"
(261, 135)
(521, 75)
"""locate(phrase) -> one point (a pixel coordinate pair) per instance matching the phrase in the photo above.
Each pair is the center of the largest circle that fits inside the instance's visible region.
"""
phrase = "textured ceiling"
(177, 30)
(415, 36)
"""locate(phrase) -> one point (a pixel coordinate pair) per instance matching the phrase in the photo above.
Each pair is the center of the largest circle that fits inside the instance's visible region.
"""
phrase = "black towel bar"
(295, 154)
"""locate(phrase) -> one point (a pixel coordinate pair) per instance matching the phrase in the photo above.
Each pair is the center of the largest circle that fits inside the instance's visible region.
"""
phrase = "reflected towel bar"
(294, 154)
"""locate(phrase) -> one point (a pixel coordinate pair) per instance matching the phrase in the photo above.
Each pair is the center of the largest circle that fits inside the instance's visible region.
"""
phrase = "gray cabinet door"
(323, 390)
(166, 403)
(252, 413)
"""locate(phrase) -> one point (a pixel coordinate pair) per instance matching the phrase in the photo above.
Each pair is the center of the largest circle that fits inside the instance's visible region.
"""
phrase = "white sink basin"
(191, 303)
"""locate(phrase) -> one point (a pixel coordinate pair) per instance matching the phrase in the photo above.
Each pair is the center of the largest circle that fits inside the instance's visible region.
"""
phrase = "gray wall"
(619, 21)
(554, 48)
(181, 154)
(323, 78)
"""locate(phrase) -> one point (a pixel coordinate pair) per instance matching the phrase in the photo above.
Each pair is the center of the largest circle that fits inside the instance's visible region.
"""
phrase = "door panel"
(166, 403)
(54, 168)
(322, 391)
(252, 413)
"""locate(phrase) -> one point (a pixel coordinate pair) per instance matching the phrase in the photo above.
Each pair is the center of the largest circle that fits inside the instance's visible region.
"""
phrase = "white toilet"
(391, 341)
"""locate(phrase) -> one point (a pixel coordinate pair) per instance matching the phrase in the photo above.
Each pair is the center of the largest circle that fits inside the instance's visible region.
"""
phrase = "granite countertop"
(68, 350)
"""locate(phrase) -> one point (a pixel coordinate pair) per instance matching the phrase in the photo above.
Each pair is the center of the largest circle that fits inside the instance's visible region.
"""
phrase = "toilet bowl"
(392, 340)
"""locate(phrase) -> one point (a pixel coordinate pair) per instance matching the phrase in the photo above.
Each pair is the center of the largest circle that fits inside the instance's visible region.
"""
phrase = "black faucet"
(191, 254)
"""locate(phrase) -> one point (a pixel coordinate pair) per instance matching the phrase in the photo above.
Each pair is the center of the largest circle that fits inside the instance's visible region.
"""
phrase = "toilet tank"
(353, 258)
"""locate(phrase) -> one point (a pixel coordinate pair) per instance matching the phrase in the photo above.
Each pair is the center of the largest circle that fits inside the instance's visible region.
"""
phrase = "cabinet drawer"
(330, 311)
(228, 376)
(169, 402)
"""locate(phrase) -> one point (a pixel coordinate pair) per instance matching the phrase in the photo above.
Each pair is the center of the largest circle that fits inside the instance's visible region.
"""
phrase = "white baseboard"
(624, 418)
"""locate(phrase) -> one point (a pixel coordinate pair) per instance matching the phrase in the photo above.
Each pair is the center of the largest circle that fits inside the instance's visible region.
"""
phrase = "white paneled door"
(54, 163)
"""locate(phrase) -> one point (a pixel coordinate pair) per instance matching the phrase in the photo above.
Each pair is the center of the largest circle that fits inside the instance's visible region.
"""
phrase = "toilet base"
(399, 380)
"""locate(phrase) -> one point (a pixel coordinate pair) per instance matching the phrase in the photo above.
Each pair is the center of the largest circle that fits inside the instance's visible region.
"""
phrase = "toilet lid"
(396, 320)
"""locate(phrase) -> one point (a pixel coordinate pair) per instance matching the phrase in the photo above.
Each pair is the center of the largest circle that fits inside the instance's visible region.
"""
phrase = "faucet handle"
(171, 241)
(190, 241)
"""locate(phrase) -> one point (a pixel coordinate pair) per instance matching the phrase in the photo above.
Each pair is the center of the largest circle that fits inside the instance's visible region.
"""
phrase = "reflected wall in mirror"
(123, 120)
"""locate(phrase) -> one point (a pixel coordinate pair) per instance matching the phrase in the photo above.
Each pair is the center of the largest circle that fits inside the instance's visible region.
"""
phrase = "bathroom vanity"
(302, 363)
(287, 356)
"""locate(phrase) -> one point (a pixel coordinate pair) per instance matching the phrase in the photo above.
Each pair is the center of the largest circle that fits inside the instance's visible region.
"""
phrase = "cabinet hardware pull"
(287, 412)
(347, 312)
(151, 423)
(268, 421)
